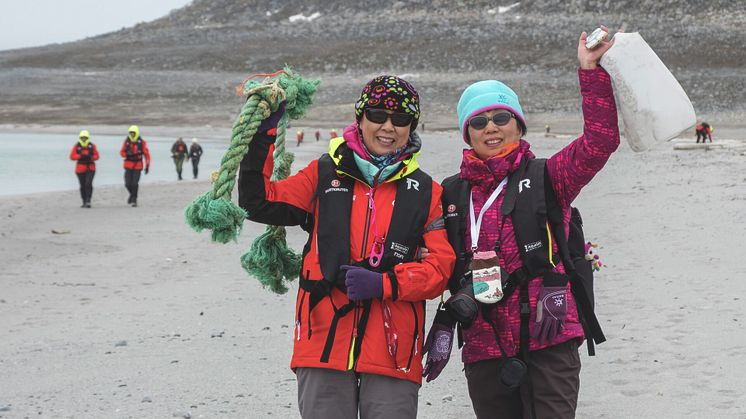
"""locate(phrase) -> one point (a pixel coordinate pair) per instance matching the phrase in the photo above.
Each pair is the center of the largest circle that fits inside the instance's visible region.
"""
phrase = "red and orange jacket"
(358, 341)
(137, 150)
(85, 156)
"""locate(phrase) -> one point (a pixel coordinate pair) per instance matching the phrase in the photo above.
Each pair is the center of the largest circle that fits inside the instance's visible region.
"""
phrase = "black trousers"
(131, 182)
(555, 380)
(195, 166)
(86, 185)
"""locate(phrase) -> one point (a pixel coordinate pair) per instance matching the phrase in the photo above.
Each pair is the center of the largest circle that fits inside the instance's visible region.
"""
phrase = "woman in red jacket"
(85, 153)
(134, 150)
(367, 207)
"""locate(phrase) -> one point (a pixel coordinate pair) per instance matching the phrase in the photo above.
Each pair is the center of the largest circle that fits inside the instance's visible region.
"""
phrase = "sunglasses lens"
(478, 122)
(377, 116)
(401, 119)
(501, 118)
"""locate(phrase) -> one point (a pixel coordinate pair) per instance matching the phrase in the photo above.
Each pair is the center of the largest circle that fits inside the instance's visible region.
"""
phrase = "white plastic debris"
(653, 105)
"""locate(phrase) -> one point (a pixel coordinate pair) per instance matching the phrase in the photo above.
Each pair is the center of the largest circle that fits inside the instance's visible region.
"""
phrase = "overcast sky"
(26, 23)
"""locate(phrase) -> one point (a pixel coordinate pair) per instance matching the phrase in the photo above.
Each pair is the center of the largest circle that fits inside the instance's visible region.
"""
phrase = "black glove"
(147, 168)
(272, 120)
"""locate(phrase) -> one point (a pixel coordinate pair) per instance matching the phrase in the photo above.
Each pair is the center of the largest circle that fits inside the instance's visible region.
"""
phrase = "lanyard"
(476, 222)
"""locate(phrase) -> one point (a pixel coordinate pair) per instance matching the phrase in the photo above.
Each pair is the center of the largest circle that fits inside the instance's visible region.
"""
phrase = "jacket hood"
(136, 130)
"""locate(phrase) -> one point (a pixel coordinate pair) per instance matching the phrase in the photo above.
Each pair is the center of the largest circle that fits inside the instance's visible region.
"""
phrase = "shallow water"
(31, 162)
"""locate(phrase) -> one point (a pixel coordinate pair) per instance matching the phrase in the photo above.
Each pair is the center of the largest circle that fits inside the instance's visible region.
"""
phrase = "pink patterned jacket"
(570, 170)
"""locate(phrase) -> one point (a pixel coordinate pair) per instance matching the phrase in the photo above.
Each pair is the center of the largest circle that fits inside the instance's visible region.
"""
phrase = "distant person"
(704, 131)
(195, 152)
(179, 153)
(332, 134)
(85, 153)
(547, 129)
(318, 135)
(299, 137)
(134, 150)
(422, 128)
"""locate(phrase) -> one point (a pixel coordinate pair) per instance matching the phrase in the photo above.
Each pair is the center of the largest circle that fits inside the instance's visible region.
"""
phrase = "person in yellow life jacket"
(85, 153)
(134, 150)
(368, 207)
(179, 153)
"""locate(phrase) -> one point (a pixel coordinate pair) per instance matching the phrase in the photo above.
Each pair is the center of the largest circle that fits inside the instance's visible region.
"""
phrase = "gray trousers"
(555, 378)
(325, 393)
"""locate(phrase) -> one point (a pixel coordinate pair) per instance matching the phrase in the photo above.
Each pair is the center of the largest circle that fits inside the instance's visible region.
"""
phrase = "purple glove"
(272, 120)
(551, 309)
(438, 344)
(361, 283)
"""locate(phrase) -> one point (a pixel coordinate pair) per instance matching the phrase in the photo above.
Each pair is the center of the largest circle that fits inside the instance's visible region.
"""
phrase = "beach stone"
(5, 408)
(185, 415)
(121, 343)
(217, 334)
(147, 399)
(448, 398)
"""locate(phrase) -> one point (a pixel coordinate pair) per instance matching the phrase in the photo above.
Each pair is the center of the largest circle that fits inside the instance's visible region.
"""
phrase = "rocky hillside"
(443, 44)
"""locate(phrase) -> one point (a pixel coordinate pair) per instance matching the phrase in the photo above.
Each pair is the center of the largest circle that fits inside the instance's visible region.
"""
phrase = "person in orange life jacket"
(179, 153)
(85, 153)
(367, 207)
(134, 150)
(195, 152)
(520, 349)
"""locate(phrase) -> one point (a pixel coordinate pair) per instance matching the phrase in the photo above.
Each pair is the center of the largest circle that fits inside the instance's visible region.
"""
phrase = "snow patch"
(302, 18)
(503, 9)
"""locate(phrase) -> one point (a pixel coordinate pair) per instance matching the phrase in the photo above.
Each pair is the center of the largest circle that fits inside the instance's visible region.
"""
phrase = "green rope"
(269, 259)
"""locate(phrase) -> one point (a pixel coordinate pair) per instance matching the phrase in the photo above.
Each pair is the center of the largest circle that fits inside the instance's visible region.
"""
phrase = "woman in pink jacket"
(512, 283)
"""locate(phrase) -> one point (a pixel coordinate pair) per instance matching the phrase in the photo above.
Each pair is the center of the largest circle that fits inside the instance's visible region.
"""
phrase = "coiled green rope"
(269, 259)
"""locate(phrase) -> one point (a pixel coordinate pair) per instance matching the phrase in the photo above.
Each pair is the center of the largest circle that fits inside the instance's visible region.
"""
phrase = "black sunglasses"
(379, 116)
(500, 118)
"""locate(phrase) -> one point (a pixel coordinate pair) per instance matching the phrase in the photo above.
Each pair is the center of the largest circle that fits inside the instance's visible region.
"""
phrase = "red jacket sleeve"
(146, 153)
(286, 202)
(123, 150)
(74, 153)
(428, 278)
(95, 153)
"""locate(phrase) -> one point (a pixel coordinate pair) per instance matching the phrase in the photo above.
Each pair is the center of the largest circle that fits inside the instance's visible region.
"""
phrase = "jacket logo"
(399, 249)
(532, 246)
(452, 208)
(524, 183)
(335, 183)
(411, 183)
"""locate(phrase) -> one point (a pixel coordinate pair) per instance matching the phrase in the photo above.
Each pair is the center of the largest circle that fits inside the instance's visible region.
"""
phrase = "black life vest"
(136, 156)
(79, 150)
(334, 193)
(533, 208)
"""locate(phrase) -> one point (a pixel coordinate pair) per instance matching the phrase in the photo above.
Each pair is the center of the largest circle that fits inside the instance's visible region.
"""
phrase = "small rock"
(175, 361)
(265, 328)
(147, 399)
(121, 343)
(217, 334)
(5, 408)
(185, 415)
(201, 313)
(447, 398)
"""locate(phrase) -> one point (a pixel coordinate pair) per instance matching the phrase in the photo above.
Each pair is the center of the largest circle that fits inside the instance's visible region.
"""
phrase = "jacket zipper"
(351, 361)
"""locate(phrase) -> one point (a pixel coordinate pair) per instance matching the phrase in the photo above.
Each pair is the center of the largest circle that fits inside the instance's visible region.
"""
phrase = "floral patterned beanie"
(390, 93)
